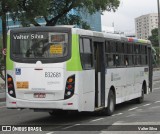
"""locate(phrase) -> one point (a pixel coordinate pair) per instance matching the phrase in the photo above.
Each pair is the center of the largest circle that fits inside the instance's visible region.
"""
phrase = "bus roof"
(109, 36)
(86, 33)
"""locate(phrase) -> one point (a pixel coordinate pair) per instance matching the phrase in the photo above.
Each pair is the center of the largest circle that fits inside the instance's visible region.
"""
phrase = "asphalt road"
(129, 113)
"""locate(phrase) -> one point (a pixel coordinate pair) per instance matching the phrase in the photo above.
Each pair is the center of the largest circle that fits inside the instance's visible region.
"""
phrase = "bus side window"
(110, 60)
(112, 46)
(127, 51)
(110, 53)
(125, 48)
(81, 45)
(143, 55)
(136, 49)
(130, 54)
(126, 63)
(120, 54)
(107, 50)
(86, 53)
(117, 60)
(136, 56)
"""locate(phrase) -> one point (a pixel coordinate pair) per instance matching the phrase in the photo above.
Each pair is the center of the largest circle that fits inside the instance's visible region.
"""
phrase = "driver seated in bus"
(36, 49)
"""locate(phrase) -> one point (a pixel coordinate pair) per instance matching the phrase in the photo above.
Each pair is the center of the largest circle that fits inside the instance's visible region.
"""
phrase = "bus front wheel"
(111, 103)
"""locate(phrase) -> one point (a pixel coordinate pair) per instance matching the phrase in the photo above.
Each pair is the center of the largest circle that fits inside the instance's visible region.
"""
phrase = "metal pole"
(4, 32)
(158, 22)
(158, 30)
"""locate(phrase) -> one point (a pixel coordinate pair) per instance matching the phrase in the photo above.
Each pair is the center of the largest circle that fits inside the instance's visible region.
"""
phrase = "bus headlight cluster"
(10, 85)
(70, 86)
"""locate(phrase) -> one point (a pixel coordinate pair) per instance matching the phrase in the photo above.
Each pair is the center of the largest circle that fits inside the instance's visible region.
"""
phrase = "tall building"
(145, 24)
(9, 22)
(93, 20)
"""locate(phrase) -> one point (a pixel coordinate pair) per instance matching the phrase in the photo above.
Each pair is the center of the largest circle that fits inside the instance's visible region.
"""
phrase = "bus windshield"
(39, 45)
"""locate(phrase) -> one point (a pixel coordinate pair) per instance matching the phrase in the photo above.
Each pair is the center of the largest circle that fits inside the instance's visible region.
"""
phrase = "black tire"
(140, 99)
(58, 113)
(111, 104)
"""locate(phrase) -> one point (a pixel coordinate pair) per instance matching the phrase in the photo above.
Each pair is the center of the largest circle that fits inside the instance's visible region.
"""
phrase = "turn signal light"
(9, 79)
(70, 86)
(70, 80)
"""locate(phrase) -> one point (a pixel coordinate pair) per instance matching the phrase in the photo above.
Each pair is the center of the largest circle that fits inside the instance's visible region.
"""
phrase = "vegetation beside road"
(158, 56)
(154, 40)
(1, 61)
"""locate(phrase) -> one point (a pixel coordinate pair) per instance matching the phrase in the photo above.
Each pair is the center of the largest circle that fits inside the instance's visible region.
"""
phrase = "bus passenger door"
(99, 74)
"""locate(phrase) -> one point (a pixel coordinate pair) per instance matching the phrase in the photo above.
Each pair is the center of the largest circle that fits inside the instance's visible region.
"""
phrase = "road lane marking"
(71, 126)
(50, 133)
(130, 115)
(156, 101)
(147, 104)
(97, 119)
(139, 110)
(117, 114)
(132, 108)
(154, 107)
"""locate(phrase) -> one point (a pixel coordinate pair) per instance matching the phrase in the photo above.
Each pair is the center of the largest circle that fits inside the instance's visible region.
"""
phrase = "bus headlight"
(70, 86)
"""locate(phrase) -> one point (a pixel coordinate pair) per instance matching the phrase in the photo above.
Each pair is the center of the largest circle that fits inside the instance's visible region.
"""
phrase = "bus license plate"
(39, 95)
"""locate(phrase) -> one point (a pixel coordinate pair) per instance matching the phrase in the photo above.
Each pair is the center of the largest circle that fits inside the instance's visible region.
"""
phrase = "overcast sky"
(128, 10)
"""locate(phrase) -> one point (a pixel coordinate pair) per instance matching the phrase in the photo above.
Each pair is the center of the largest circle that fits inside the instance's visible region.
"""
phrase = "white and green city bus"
(57, 69)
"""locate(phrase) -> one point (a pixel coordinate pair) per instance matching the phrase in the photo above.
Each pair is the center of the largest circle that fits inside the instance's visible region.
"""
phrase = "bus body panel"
(86, 88)
(49, 79)
(127, 82)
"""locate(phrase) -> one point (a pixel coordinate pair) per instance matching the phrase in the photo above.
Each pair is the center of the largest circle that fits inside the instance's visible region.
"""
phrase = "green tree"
(28, 10)
(154, 37)
(1, 60)
(56, 11)
(154, 40)
(5, 6)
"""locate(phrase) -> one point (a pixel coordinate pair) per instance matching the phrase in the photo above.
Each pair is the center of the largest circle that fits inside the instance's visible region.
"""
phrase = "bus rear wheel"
(141, 98)
(111, 104)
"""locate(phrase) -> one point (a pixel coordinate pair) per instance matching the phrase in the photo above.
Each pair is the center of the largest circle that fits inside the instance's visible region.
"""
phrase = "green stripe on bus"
(9, 63)
(74, 64)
